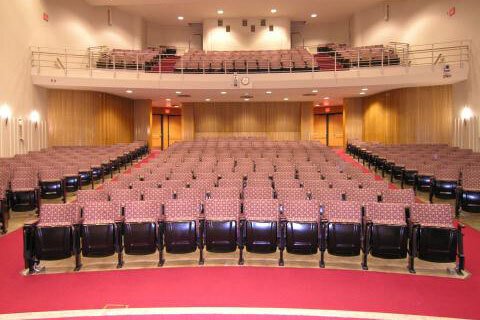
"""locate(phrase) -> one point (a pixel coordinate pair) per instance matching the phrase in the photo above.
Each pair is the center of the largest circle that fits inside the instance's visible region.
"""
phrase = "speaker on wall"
(227, 28)
(263, 22)
(220, 22)
(109, 17)
(252, 28)
(244, 22)
(386, 16)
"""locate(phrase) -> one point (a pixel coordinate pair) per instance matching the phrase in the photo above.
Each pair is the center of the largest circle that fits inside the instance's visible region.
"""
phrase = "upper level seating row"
(227, 194)
(149, 60)
(50, 173)
(444, 171)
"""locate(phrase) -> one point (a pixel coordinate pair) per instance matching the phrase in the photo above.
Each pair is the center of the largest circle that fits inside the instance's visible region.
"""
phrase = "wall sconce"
(466, 114)
(5, 113)
(35, 117)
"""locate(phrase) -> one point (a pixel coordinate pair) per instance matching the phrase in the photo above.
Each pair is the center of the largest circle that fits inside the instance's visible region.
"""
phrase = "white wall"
(313, 34)
(240, 38)
(182, 37)
(427, 21)
(71, 23)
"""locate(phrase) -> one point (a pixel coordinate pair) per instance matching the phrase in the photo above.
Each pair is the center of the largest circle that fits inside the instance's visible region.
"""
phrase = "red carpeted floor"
(212, 317)
(240, 287)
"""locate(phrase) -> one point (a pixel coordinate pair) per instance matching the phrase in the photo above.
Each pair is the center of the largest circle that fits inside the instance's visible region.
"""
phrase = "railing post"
(313, 63)
(203, 66)
(383, 56)
(182, 65)
(246, 64)
(358, 58)
(225, 66)
(335, 63)
(114, 67)
(136, 64)
(433, 55)
(160, 63)
(90, 62)
(39, 61)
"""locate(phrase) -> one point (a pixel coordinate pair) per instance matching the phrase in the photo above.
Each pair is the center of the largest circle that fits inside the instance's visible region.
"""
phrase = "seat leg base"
(120, 261)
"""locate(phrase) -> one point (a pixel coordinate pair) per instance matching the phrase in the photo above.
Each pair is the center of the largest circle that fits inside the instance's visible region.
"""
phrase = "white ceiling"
(165, 12)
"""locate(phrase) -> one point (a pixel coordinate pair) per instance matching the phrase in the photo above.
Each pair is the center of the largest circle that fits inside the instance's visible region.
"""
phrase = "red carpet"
(240, 287)
(211, 317)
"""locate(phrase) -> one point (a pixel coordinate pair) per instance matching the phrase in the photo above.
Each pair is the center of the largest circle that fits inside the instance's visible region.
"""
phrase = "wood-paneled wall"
(142, 115)
(353, 118)
(275, 120)
(86, 118)
(409, 115)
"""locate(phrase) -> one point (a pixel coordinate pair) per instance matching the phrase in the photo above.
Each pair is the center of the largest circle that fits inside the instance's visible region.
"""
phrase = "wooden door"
(174, 129)
(320, 128)
(335, 130)
(156, 131)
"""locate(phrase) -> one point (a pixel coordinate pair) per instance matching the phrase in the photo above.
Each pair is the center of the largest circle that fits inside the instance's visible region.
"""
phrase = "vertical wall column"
(306, 121)
(353, 119)
(142, 124)
(188, 122)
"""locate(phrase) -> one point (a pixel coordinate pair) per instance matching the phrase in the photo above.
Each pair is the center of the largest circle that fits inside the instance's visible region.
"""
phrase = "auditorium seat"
(220, 229)
(404, 196)
(54, 236)
(468, 194)
(85, 196)
(181, 230)
(101, 230)
(445, 183)
(260, 229)
(52, 184)
(24, 194)
(386, 231)
(434, 235)
(341, 229)
(362, 196)
(290, 194)
(254, 192)
(300, 226)
(141, 231)
(72, 178)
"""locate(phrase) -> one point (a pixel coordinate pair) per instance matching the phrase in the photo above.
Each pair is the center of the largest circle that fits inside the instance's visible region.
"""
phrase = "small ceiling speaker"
(227, 28)
(244, 22)
(270, 28)
(263, 22)
(220, 22)
(252, 28)
(386, 15)
(109, 17)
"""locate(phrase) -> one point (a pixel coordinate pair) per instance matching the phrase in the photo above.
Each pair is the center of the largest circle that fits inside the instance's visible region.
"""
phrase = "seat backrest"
(258, 193)
(143, 211)
(432, 215)
(327, 194)
(236, 183)
(404, 196)
(261, 209)
(158, 194)
(361, 195)
(191, 193)
(24, 183)
(386, 213)
(300, 210)
(173, 184)
(100, 212)
(222, 209)
(286, 183)
(50, 174)
(124, 195)
(182, 210)
(259, 183)
(342, 212)
(84, 196)
(225, 193)
(59, 214)
(290, 194)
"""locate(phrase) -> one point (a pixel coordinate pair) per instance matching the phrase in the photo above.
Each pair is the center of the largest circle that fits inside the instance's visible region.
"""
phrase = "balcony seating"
(434, 236)
(54, 236)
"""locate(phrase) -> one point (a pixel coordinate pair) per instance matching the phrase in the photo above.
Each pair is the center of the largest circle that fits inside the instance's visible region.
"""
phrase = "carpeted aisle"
(240, 287)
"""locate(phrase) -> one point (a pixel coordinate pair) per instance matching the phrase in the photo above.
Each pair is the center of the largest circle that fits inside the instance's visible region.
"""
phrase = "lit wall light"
(178, 92)
(168, 99)
(326, 98)
(362, 93)
(35, 117)
(313, 15)
(208, 100)
(129, 91)
(5, 113)
(223, 92)
(180, 18)
(364, 89)
(246, 99)
(466, 114)
(268, 92)
(220, 11)
(285, 99)
(314, 90)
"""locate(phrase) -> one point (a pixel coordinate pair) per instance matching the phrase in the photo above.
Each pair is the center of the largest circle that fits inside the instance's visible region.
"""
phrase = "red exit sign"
(45, 16)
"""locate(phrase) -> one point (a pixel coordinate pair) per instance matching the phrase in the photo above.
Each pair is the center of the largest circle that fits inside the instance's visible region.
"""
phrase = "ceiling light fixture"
(313, 15)
(317, 105)
(180, 18)
(178, 92)
(273, 10)
(364, 89)
(246, 99)
(168, 99)
(362, 92)
(129, 91)
(326, 98)
(208, 99)
(285, 99)
(314, 90)
(268, 92)
(220, 11)
(223, 92)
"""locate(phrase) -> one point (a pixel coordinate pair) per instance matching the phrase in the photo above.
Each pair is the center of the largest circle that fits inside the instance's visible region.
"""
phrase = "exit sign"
(45, 16)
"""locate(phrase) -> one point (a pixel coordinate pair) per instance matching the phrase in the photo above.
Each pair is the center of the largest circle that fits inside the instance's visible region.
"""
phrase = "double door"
(166, 130)
(328, 129)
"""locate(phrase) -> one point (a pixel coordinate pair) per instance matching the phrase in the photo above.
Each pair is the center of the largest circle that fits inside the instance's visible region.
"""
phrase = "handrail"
(393, 54)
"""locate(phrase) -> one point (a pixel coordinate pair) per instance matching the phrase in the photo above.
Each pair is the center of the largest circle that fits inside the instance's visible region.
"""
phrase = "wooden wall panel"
(142, 116)
(277, 121)
(353, 118)
(409, 115)
(188, 129)
(85, 118)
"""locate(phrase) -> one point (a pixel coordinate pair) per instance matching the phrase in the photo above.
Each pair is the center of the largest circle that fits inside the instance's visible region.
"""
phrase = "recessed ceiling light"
(208, 99)
(364, 89)
(314, 90)
(175, 106)
(285, 99)
(223, 92)
(178, 92)
(317, 105)
(362, 92)
(220, 11)
(246, 99)
(129, 91)
(326, 98)
(313, 15)
(180, 18)
(268, 92)
(273, 10)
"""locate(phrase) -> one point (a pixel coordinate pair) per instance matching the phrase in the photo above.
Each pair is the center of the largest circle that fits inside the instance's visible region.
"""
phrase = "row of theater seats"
(445, 172)
(263, 196)
(51, 173)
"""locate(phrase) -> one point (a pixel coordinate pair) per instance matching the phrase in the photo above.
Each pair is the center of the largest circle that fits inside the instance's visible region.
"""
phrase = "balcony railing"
(70, 61)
